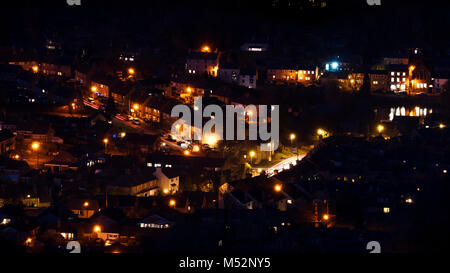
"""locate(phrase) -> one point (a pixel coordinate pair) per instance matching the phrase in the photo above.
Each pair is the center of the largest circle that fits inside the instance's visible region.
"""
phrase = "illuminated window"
(386, 210)
(392, 73)
(375, 82)
(392, 79)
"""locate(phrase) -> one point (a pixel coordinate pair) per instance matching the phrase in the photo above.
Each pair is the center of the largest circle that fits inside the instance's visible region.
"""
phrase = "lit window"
(392, 79)
(386, 210)
(392, 73)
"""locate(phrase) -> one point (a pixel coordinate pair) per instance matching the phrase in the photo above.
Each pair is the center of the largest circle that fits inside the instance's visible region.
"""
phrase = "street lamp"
(94, 88)
(292, 137)
(105, 140)
(131, 71)
(252, 154)
(206, 49)
(35, 147)
(278, 188)
(326, 217)
(35, 68)
(380, 128)
(97, 229)
(172, 203)
(411, 81)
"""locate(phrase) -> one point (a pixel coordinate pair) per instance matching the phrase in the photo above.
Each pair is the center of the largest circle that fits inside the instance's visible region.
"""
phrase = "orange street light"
(136, 106)
(326, 217)
(105, 140)
(86, 204)
(172, 203)
(16, 157)
(97, 229)
(278, 188)
(35, 68)
(94, 88)
(28, 241)
(186, 152)
(206, 49)
(196, 148)
(131, 71)
(380, 128)
(35, 146)
(292, 136)
(189, 90)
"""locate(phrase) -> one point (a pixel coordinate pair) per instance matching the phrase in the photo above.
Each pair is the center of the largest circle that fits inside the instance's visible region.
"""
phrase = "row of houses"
(389, 74)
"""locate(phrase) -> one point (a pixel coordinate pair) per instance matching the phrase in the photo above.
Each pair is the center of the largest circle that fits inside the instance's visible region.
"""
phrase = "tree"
(110, 108)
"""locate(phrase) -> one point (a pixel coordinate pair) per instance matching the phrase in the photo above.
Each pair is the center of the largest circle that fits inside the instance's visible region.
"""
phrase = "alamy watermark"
(73, 2)
(374, 2)
(255, 116)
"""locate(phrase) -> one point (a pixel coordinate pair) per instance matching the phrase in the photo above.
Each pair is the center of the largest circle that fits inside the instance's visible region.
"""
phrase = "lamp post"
(252, 154)
(35, 147)
(380, 129)
(411, 69)
(105, 140)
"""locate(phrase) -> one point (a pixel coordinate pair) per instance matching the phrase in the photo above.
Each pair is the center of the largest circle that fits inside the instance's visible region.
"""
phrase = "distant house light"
(386, 209)
(254, 49)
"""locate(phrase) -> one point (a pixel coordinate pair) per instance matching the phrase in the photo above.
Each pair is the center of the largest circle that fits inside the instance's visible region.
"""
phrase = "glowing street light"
(442, 126)
(186, 152)
(252, 154)
(321, 132)
(326, 217)
(28, 241)
(35, 147)
(97, 229)
(380, 128)
(105, 140)
(35, 68)
(278, 188)
(206, 49)
(292, 136)
(94, 88)
(172, 203)
(166, 191)
(131, 71)
(16, 157)
(189, 90)
(86, 204)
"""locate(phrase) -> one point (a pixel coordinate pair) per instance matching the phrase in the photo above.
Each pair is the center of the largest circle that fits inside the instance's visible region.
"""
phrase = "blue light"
(334, 65)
